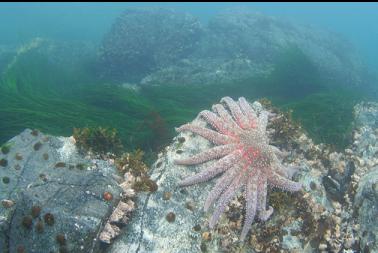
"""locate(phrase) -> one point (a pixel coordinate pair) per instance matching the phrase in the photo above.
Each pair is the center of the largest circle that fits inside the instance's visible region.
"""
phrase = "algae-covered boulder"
(161, 46)
(366, 201)
(246, 34)
(53, 199)
(144, 40)
(365, 178)
(172, 219)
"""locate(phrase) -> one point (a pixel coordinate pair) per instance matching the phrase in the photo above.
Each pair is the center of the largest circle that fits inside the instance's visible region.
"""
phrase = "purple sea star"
(243, 155)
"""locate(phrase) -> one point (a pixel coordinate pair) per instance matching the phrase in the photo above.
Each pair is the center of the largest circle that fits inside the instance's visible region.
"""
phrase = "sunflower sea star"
(244, 156)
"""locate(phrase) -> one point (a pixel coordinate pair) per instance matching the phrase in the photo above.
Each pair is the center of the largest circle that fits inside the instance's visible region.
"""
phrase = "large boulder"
(365, 177)
(242, 33)
(145, 40)
(334, 213)
(352, 179)
(158, 46)
(366, 201)
(195, 71)
(53, 199)
(172, 218)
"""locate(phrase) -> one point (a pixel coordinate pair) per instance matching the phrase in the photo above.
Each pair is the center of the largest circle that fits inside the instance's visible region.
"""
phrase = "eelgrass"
(39, 95)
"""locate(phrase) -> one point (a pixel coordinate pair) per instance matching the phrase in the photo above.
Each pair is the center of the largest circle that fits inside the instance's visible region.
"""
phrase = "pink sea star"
(243, 155)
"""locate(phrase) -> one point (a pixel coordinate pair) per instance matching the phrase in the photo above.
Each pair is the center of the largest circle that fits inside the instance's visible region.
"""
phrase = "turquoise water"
(20, 22)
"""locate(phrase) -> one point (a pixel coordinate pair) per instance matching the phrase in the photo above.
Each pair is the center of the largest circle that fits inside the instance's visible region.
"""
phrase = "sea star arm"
(219, 187)
(283, 183)
(248, 111)
(225, 115)
(251, 205)
(218, 123)
(261, 200)
(210, 154)
(208, 134)
(240, 118)
(291, 171)
(225, 199)
(218, 167)
(263, 119)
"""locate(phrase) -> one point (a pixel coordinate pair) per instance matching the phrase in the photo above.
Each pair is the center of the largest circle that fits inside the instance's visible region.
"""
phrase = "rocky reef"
(53, 198)
(56, 198)
(144, 40)
(159, 46)
(333, 213)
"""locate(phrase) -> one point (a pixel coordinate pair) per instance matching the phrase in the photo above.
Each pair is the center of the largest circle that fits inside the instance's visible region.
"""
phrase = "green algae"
(5, 149)
(327, 117)
(38, 94)
(98, 140)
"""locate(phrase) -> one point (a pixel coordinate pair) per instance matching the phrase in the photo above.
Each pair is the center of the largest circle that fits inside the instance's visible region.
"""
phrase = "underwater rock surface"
(366, 204)
(172, 218)
(52, 198)
(160, 46)
(320, 218)
(365, 178)
(143, 40)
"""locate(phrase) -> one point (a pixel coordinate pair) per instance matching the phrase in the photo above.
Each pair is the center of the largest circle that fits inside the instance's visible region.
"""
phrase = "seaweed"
(145, 184)
(5, 148)
(99, 140)
(327, 117)
(35, 93)
(133, 163)
(40, 94)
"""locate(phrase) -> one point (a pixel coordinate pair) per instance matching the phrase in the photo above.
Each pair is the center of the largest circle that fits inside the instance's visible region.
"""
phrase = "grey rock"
(365, 178)
(145, 40)
(365, 143)
(366, 114)
(242, 33)
(150, 231)
(160, 46)
(365, 203)
(72, 194)
(207, 71)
